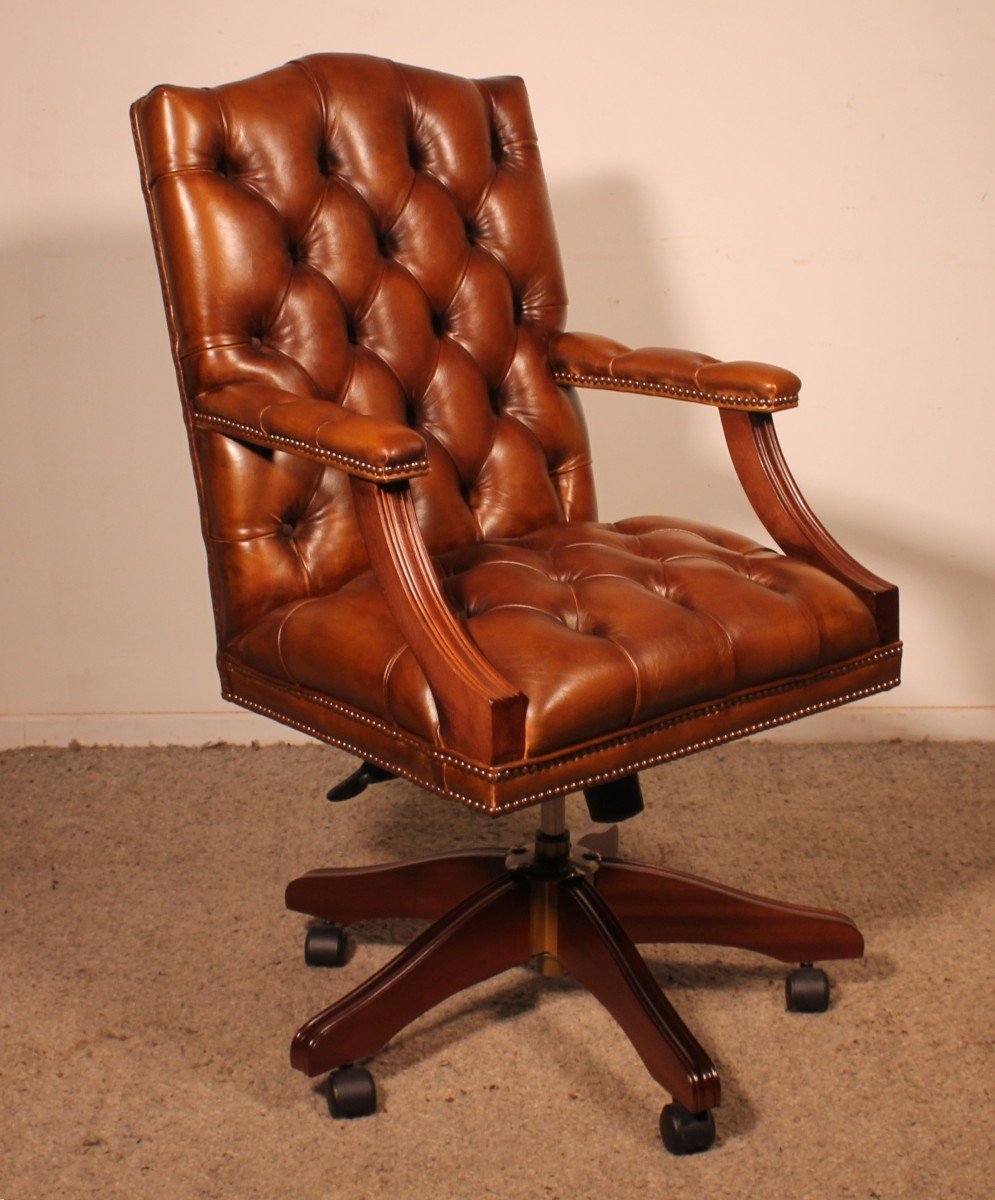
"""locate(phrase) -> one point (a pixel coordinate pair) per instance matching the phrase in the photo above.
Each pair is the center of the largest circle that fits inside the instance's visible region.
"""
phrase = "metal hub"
(547, 868)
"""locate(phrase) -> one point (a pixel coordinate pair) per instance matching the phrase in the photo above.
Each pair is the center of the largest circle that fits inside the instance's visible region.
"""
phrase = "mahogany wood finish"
(484, 923)
(778, 502)
(483, 935)
(595, 949)
(424, 888)
(481, 714)
(655, 904)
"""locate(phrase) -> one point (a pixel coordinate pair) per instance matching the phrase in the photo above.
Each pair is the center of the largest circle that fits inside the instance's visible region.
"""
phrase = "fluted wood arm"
(778, 502)
(480, 713)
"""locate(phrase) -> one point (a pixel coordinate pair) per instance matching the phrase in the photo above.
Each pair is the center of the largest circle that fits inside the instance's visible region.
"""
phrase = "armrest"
(367, 447)
(587, 360)
(480, 714)
(778, 502)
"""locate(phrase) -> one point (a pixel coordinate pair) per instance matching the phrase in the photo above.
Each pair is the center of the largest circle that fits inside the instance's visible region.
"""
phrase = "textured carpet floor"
(151, 981)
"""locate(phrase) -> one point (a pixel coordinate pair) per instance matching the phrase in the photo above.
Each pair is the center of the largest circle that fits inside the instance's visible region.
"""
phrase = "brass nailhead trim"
(405, 470)
(533, 797)
(535, 768)
(720, 400)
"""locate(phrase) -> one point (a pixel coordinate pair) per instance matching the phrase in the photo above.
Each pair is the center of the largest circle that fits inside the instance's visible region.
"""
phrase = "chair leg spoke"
(594, 947)
(424, 888)
(658, 905)
(486, 934)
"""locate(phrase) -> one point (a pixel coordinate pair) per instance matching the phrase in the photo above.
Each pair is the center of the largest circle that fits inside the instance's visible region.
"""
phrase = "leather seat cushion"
(602, 626)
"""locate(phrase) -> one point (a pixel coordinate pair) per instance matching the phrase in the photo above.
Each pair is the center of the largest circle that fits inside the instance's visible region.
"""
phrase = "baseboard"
(860, 723)
(142, 729)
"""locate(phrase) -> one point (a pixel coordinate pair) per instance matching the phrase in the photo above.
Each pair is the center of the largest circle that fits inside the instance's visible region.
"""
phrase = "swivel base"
(570, 909)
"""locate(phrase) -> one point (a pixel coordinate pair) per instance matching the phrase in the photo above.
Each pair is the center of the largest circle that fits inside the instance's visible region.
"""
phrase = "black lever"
(358, 782)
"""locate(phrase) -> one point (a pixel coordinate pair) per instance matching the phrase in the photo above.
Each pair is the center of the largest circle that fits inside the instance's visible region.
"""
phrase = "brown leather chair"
(366, 309)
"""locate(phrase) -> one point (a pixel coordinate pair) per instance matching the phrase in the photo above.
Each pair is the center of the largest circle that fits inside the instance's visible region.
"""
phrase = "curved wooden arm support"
(480, 714)
(778, 502)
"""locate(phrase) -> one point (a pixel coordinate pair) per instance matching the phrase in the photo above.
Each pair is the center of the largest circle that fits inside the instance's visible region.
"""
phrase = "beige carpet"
(151, 981)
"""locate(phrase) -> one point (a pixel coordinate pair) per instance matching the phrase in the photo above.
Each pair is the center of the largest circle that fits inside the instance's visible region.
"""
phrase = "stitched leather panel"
(361, 234)
(601, 626)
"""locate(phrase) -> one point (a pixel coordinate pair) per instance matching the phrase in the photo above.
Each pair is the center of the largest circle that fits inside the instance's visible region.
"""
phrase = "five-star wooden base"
(487, 918)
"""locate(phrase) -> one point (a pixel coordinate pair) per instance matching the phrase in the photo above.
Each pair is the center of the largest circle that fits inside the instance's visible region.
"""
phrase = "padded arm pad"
(369, 447)
(587, 360)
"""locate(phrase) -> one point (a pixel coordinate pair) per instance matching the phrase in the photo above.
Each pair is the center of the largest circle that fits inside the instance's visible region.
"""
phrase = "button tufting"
(497, 149)
(351, 332)
(440, 324)
(414, 156)
(385, 243)
(471, 232)
(287, 529)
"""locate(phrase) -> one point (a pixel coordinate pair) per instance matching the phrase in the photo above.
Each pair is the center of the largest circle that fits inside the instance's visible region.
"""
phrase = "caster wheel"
(685, 1132)
(807, 989)
(351, 1093)
(325, 946)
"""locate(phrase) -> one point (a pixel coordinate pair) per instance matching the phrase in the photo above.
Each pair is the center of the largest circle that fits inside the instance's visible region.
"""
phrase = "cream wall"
(807, 183)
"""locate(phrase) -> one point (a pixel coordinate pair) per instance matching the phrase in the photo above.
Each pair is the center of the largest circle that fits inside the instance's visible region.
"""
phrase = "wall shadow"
(96, 458)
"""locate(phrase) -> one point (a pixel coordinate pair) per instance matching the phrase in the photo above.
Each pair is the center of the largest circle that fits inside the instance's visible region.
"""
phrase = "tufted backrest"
(377, 236)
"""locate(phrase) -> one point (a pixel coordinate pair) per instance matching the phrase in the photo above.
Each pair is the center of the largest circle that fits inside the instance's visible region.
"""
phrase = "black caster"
(325, 946)
(685, 1132)
(807, 989)
(351, 1093)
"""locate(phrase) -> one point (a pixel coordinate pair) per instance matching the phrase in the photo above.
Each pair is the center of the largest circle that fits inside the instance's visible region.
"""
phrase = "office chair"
(367, 310)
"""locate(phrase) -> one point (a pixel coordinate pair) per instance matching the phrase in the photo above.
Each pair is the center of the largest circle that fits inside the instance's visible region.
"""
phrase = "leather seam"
(306, 72)
(579, 465)
(385, 681)
(279, 636)
(719, 399)
(637, 691)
